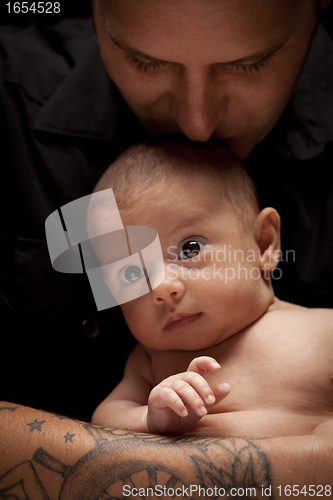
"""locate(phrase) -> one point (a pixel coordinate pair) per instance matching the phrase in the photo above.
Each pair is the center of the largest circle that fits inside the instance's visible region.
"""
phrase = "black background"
(72, 9)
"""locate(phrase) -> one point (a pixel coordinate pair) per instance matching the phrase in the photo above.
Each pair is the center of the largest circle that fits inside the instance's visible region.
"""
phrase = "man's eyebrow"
(134, 51)
(253, 57)
(258, 55)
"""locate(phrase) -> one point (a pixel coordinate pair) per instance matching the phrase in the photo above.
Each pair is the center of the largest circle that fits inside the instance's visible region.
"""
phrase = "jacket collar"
(87, 104)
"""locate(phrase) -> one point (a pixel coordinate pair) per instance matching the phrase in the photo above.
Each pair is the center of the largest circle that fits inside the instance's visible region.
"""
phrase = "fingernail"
(203, 410)
(210, 399)
(184, 412)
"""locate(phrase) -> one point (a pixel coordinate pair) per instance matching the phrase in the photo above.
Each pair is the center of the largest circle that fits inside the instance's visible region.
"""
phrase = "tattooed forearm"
(113, 463)
(9, 408)
(69, 437)
(35, 425)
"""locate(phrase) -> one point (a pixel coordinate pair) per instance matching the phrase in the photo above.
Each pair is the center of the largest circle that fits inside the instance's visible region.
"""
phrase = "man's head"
(222, 69)
(218, 248)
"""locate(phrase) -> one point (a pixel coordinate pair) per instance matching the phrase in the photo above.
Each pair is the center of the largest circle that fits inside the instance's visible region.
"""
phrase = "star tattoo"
(69, 437)
(36, 426)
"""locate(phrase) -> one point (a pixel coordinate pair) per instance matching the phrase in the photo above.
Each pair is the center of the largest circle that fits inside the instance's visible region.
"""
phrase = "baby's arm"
(126, 407)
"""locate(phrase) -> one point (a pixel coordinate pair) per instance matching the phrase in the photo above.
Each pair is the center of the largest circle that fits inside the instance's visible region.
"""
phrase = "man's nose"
(199, 105)
(169, 290)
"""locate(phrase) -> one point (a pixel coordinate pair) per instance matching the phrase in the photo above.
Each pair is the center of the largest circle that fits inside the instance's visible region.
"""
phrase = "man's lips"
(180, 320)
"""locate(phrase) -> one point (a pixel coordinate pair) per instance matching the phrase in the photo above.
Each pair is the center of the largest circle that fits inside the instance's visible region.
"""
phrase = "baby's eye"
(190, 249)
(130, 274)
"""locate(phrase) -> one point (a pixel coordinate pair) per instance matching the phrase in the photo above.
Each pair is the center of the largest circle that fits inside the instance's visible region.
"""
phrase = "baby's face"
(212, 286)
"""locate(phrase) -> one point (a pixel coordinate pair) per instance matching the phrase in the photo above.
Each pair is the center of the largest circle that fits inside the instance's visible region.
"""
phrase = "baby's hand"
(179, 401)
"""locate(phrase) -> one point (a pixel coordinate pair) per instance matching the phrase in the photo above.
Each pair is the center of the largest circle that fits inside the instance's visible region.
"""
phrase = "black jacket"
(62, 123)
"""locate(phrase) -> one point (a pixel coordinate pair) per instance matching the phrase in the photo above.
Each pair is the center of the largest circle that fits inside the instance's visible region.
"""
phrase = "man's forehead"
(198, 7)
(202, 33)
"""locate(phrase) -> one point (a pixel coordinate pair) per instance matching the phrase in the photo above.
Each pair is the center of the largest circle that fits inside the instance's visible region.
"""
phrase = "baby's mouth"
(177, 321)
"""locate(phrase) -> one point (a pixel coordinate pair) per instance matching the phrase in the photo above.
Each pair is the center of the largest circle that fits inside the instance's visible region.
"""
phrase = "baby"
(217, 354)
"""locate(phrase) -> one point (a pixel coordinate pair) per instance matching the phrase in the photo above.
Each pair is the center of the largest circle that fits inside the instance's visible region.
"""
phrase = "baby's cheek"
(134, 312)
(126, 312)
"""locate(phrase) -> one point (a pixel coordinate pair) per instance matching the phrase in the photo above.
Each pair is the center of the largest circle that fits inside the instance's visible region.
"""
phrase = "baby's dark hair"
(170, 161)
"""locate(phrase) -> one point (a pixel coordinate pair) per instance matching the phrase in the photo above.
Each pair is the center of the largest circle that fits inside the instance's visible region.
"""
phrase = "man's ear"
(267, 235)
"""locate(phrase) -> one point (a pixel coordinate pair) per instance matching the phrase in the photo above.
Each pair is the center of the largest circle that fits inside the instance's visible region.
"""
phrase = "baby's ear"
(267, 235)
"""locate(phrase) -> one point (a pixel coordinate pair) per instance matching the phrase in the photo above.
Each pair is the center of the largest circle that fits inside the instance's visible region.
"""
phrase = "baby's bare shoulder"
(139, 363)
(283, 308)
(300, 337)
(322, 317)
(295, 317)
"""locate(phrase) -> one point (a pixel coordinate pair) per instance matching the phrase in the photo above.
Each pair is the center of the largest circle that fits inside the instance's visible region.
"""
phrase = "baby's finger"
(202, 364)
(221, 391)
(162, 396)
(200, 385)
(186, 390)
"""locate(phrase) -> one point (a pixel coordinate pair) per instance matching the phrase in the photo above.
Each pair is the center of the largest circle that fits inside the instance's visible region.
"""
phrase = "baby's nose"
(169, 290)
